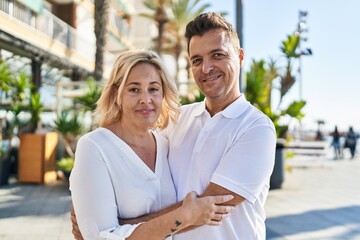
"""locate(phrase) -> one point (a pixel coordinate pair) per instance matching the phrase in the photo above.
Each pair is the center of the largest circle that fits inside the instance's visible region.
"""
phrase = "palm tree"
(159, 15)
(259, 85)
(69, 126)
(101, 18)
(5, 78)
(88, 101)
(183, 12)
(288, 48)
(5, 87)
(69, 123)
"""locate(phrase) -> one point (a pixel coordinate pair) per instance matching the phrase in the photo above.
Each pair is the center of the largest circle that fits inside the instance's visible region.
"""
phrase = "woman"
(336, 143)
(121, 168)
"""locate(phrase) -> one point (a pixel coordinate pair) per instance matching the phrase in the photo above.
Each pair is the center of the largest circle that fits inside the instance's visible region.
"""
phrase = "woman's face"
(142, 96)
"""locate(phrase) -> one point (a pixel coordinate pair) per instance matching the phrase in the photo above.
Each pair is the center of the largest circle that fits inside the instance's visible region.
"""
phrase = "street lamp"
(301, 29)
(239, 29)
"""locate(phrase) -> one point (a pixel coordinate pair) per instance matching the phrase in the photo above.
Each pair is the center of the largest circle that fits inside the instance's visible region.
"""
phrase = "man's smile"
(210, 79)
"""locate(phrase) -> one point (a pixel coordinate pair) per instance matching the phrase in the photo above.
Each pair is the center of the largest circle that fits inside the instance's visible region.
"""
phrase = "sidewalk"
(320, 199)
(35, 212)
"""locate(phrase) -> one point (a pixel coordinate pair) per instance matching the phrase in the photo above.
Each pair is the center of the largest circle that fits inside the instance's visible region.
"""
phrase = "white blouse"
(109, 181)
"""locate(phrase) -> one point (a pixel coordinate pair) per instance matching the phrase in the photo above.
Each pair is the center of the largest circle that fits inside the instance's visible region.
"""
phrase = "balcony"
(45, 32)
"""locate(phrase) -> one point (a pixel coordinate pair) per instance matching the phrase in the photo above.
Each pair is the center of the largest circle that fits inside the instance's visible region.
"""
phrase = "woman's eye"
(154, 89)
(134, 90)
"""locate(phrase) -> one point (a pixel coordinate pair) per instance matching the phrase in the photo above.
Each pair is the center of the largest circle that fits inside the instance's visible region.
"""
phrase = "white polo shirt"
(234, 149)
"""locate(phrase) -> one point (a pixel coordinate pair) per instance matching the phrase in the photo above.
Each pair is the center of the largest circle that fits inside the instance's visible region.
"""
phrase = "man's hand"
(75, 227)
(216, 190)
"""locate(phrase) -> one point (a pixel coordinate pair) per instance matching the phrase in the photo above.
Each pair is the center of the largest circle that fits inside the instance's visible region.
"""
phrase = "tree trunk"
(101, 19)
(161, 18)
(178, 51)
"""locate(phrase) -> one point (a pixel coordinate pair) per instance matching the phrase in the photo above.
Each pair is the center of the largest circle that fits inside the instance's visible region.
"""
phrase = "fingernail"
(229, 197)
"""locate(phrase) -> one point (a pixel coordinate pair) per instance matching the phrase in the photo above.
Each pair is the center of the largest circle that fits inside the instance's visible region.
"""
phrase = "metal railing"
(50, 25)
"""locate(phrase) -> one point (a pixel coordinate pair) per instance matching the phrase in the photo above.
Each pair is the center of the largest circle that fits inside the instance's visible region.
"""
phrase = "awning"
(35, 5)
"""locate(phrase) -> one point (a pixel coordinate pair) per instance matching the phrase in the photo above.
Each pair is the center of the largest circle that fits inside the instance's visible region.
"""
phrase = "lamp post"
(302, 28)
(239, 30)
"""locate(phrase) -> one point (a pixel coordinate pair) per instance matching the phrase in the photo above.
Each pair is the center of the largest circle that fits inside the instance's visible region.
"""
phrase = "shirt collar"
(234, 110)
(199, 109)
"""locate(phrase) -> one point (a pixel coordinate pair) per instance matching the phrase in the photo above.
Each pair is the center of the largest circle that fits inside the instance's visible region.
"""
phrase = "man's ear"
(241, 57)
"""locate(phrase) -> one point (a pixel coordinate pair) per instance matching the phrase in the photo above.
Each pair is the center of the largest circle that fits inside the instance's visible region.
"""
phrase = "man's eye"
(196, 62)
(217, 55)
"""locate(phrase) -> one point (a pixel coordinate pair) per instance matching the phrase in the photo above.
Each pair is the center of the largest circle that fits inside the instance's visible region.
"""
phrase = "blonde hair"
(108, 108)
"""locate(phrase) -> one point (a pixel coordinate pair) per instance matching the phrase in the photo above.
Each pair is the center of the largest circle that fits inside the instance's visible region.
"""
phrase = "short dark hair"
(210, 21)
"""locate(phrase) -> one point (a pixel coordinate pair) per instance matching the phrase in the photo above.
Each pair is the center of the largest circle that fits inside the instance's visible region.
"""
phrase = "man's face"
(215, 64)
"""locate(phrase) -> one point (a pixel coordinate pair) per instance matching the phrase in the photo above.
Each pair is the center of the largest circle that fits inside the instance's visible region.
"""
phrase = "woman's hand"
(205, 210)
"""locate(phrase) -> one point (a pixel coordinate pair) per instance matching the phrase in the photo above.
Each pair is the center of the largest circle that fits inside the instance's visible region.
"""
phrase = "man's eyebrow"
(217, 50)
(211, 52)
(195, 56)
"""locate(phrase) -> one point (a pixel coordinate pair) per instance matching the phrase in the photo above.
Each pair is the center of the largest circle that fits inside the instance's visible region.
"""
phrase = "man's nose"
(207, 66)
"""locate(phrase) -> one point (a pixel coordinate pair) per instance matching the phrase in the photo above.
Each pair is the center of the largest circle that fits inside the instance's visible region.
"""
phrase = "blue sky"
(330, 77)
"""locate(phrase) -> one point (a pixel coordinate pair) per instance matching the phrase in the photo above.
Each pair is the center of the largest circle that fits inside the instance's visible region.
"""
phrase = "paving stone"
(319, 199)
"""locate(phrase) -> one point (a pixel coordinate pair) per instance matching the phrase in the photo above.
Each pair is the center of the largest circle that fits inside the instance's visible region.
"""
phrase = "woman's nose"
(145, 98)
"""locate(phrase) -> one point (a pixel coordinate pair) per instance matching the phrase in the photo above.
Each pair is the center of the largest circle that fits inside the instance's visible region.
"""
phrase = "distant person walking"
(336, 143)
(319, 136)
(350, 141)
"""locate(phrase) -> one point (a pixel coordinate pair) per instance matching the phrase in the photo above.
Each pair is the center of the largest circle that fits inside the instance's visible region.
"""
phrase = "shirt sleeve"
(247, 165)
(118, 232)
(93, 195)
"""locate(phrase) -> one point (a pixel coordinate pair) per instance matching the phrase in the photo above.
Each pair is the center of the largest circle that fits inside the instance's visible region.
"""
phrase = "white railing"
(50, 25)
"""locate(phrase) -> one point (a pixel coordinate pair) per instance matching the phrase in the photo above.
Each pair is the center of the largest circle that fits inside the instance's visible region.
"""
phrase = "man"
(222, 145)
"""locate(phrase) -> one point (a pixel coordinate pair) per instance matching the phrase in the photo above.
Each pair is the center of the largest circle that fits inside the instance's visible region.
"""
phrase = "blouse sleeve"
(93, 195)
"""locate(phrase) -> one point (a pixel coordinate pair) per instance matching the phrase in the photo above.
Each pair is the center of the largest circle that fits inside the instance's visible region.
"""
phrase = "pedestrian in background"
(336, 144)
(350, 141)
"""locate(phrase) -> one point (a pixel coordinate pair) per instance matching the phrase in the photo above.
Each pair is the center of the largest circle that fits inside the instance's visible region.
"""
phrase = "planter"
(4, 162)
(277, 176)
(37, 158)
(4, 170)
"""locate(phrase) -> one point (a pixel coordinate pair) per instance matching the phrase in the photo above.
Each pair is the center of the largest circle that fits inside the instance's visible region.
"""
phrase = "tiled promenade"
(35, 212)
(320, 199)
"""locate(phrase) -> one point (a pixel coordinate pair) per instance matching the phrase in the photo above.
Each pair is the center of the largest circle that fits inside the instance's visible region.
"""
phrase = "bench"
(309, 148)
